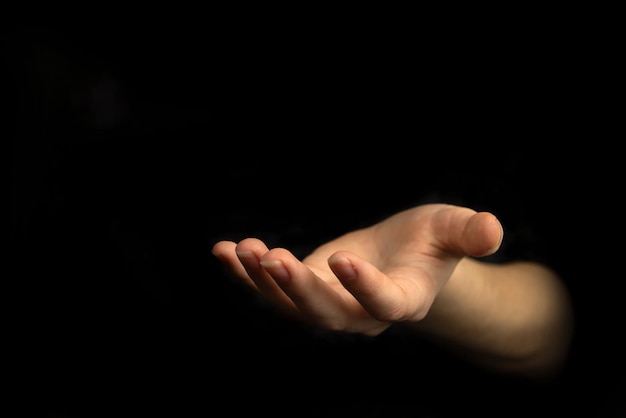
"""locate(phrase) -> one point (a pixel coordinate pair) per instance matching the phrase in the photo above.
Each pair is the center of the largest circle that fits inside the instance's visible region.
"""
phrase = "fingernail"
(245, 254)
(276, 268)
(342, 267)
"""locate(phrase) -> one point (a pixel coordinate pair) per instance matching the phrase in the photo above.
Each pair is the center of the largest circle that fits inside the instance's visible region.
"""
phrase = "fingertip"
(221, 247)
(215, 247)
(483, 234)
(250, 248)
(342, 267)
(277, 269)
(499, 239)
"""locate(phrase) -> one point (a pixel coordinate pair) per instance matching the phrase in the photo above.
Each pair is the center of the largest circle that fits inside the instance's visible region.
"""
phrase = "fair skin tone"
(420, 269)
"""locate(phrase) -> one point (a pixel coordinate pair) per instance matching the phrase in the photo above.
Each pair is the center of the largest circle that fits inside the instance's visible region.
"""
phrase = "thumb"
(482, 234)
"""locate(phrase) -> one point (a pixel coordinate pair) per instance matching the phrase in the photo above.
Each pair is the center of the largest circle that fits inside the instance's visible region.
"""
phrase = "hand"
(368, 279)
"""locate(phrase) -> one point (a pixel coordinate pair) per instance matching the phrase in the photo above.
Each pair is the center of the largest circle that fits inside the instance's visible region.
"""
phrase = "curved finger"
(225, 252)
(408, 295)
(241, 260)
(249, 252)
(318, 301)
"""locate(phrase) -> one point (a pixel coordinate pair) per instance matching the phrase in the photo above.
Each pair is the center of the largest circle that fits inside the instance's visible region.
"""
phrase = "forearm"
(513, 317)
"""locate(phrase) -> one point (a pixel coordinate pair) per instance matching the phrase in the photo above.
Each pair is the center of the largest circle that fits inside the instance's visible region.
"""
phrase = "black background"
(135, 149)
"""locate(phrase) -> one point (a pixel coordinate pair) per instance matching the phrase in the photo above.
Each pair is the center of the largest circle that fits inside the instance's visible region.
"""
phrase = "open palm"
(367, 279)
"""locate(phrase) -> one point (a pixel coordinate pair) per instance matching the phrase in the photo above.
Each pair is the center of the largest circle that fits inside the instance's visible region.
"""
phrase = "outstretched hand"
(368, 279)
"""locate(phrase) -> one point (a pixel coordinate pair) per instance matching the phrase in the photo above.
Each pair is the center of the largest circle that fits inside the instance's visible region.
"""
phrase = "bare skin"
(420, 269)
